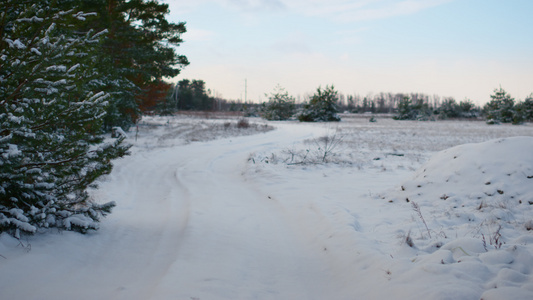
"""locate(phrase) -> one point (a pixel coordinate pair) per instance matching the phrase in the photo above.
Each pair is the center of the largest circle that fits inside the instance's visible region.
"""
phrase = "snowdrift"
(490, 182)
(473, 204)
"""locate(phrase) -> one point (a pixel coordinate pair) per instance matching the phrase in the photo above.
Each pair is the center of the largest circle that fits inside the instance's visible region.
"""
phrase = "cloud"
(257, 5)
(362, 10)
(399, 8)
(322, 8)
(339, 10)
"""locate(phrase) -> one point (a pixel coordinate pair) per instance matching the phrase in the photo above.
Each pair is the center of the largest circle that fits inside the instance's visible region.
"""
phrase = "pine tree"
(156, 93)
(501, 107)
(448, 109)
(280, 105)
(526, 108)
(193, 96)
(51, 111)
(322, 107)
(138, 52)
(413, 108)
(405, 111)
(467, 109)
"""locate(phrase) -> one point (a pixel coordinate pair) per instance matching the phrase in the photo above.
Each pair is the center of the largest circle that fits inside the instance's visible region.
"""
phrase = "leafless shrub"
(494, 239)
(295, 157)
(320, 151)
(243, 123)
(326, 145)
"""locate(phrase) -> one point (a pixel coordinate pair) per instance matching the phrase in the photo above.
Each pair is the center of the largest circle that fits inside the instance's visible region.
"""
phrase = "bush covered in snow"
(501, 108)
(322, 107)
(409, 109)
(280, 106)
(525, 108)
(51, 109)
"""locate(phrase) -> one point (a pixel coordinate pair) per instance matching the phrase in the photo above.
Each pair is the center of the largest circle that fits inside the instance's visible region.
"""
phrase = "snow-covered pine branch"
(51, 113)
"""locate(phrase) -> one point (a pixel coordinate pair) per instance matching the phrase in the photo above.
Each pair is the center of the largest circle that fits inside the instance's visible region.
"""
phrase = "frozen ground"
(355, 210)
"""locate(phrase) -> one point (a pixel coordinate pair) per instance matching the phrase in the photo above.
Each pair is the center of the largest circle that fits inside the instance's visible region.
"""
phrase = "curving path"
(187, 226)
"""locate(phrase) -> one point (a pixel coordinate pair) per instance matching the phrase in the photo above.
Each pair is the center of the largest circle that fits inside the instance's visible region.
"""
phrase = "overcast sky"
(451, 48)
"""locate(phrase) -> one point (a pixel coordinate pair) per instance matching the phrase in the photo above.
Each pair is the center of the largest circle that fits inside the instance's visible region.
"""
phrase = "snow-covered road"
(236, 243)
(227, 219)
(188, 225)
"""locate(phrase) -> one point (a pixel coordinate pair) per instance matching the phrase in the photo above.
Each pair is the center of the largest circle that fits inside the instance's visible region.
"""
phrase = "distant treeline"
(192, 95)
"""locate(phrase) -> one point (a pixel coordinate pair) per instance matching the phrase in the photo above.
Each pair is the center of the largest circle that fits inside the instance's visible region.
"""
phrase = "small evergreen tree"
(448, 109)
(280, 105)
(322, 107)
(518, 114)
(412, 110)
(421, 109)
(467, 109)
(501, 107)
(526, 108)
(51, 110)
(405, 110)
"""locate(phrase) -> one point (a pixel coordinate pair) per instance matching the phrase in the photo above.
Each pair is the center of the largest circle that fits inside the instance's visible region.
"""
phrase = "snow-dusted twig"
(26, 247)
(416, 208)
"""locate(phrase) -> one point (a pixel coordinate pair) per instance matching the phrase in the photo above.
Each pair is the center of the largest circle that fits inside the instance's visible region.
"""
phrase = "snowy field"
(213, 209)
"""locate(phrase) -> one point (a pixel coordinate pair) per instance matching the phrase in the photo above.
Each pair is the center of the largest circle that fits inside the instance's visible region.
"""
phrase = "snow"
(36, 51)
(73, 68)
(15, 44)
(207, 210)
(56, 68)
(11, 151)
(119, 132)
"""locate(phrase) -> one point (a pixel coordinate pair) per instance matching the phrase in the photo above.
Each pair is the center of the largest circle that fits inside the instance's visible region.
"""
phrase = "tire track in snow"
(238, 244)
(146, 227)
(165, 208)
